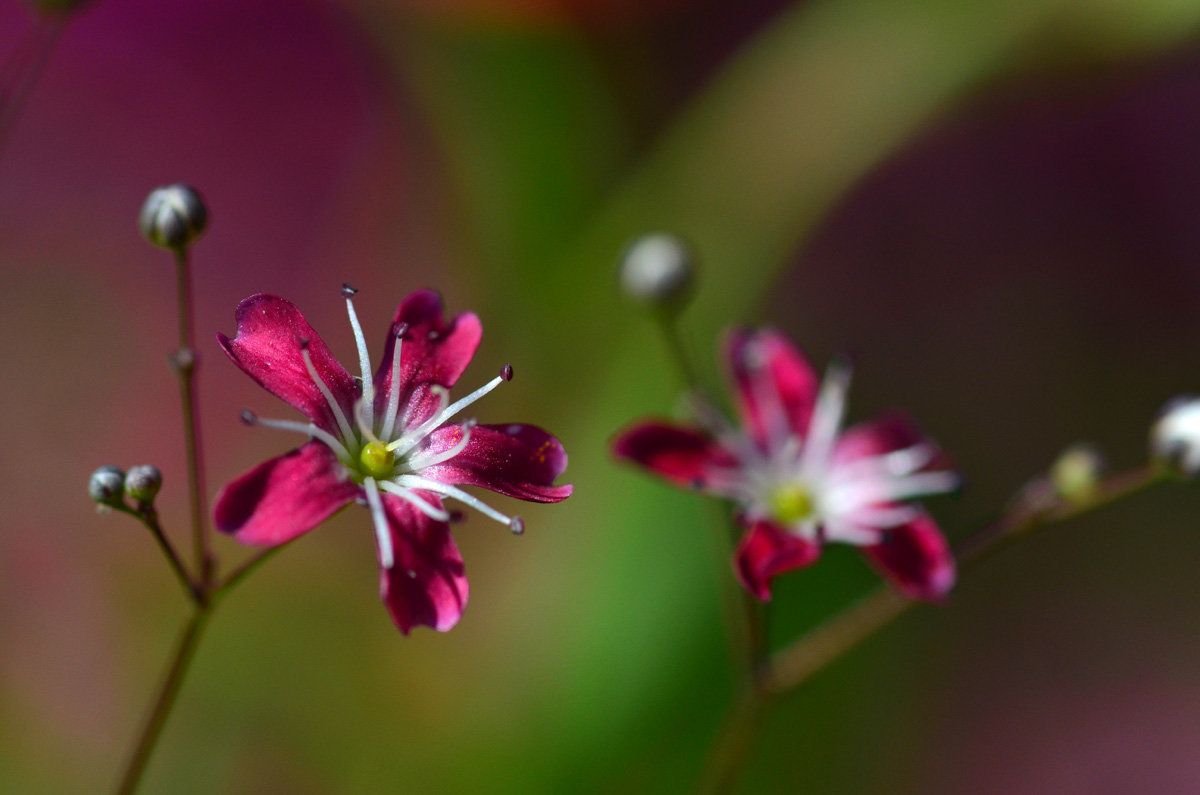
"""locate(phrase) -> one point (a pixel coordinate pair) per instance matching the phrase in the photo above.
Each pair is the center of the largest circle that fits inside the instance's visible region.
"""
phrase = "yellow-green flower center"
(376, 460)
(791, 503)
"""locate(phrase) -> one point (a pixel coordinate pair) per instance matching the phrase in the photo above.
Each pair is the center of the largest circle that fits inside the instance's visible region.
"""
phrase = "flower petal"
(884, 434)
(433, 352)
(916, 558)
(679, 454)
(267, 348)
(776, 387)
(767, 550)
(284, 497)
(514, 460)
(425, 585)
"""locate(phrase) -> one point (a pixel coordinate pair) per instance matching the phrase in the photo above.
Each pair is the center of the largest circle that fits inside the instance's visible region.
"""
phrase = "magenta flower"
(798, 481)
(386, 441)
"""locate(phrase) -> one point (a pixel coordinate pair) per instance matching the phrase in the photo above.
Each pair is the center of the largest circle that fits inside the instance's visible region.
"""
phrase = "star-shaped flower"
(386, 440)
(800, 481)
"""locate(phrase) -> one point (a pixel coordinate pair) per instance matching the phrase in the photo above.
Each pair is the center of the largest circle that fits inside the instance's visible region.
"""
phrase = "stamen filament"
(421, 505)
(409, 440)
(364, 360)
(363, 425)
(437, 420)
(446, 490)
(826, 419)
(416, 463)
(301, 427)
(338, 414)
(382, 535)
(389, 417)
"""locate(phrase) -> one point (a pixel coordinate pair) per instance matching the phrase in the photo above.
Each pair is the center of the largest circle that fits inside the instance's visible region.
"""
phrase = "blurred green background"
(992, 204)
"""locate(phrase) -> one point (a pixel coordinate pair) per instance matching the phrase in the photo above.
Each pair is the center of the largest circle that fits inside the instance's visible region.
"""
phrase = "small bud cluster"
(657, 268)
(173, 216)
(109, 486)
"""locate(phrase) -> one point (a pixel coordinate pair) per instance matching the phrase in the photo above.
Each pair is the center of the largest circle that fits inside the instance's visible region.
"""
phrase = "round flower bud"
(173, 216)
(142, 482)
(106, 485)
(1175, 437)
(657, 268)
(1076, 473)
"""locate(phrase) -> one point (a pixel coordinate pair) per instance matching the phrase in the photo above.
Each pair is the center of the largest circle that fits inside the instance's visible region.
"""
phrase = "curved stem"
(148, 516)
(184, 652)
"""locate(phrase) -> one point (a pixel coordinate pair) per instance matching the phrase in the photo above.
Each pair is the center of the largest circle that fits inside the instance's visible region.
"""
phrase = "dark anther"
(506, 372)
(348, 291)
(248, 417)
(303, 343)
(401, 330)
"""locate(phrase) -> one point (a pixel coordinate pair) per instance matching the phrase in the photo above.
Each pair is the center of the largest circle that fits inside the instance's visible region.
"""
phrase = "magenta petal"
(767, 550)
(916, 558)
(433, 352)
(267, 348)
(514, 460)
(679, 454)
(885, 434)
(776, 386)
(284, 497)
(425, 585)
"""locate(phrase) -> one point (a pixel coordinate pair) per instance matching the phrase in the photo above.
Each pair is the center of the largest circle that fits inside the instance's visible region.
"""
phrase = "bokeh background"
(992, 204)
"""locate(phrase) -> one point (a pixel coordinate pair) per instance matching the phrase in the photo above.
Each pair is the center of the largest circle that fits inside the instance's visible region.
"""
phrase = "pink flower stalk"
(801, 482)
(385, 440)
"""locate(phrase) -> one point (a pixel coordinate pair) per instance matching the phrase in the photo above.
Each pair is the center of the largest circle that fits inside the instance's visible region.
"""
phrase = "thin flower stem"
(667, 321)
(184, 362)
(794, 665)
(180, 662)
(148, 516)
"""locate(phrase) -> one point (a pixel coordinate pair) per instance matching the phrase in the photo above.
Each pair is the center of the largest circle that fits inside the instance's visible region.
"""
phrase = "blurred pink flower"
(385, 440)
(800, 482)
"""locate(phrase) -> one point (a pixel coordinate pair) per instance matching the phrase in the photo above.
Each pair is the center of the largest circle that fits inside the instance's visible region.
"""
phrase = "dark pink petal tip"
(775, 385)
(284, 497)
(681, 455)
(767, 550)
(425, 585)
(916, 559)
(433, 351)
(515, 460)
(270, 334)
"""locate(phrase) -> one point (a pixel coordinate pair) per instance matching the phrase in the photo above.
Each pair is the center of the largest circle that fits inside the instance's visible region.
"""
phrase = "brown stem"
(148, 516)
(168, 691)
(184, 363)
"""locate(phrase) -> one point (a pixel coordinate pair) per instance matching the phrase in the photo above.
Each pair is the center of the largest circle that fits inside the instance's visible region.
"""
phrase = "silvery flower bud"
(1175, 437)
(1076, 473)
(107, 485)
(173, 216)
(142, 482)
(657, 268)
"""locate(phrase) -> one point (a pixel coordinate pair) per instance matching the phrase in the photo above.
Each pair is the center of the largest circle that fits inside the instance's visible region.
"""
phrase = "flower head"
(798, 479)
(388, 440)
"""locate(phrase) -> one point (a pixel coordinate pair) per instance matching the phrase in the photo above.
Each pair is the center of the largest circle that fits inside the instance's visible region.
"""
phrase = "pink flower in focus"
(386, 441)
(800, 482)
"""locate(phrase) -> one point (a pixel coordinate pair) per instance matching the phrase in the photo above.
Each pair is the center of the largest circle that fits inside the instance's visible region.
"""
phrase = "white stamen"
(437, 420)
(382, 535)
(393, 406)
(437, 487)
(850, 496)
(306, 428)
(364, 426)
(364, 363)
(885, 516)
(421, 505)
(410, 439)
(826, 419)
(417, 463)
(849, 533)
(897, 463)
(333, 404)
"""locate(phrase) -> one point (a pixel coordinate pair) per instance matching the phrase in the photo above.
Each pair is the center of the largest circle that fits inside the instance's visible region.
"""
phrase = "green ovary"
(791, 503)
(376, 460)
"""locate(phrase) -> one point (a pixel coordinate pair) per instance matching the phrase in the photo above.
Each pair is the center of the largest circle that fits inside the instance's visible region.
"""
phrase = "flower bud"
(657, 268)
(106, 485)
(142, 482)
(1175, 437)
(1076, 474)
(173, 216)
